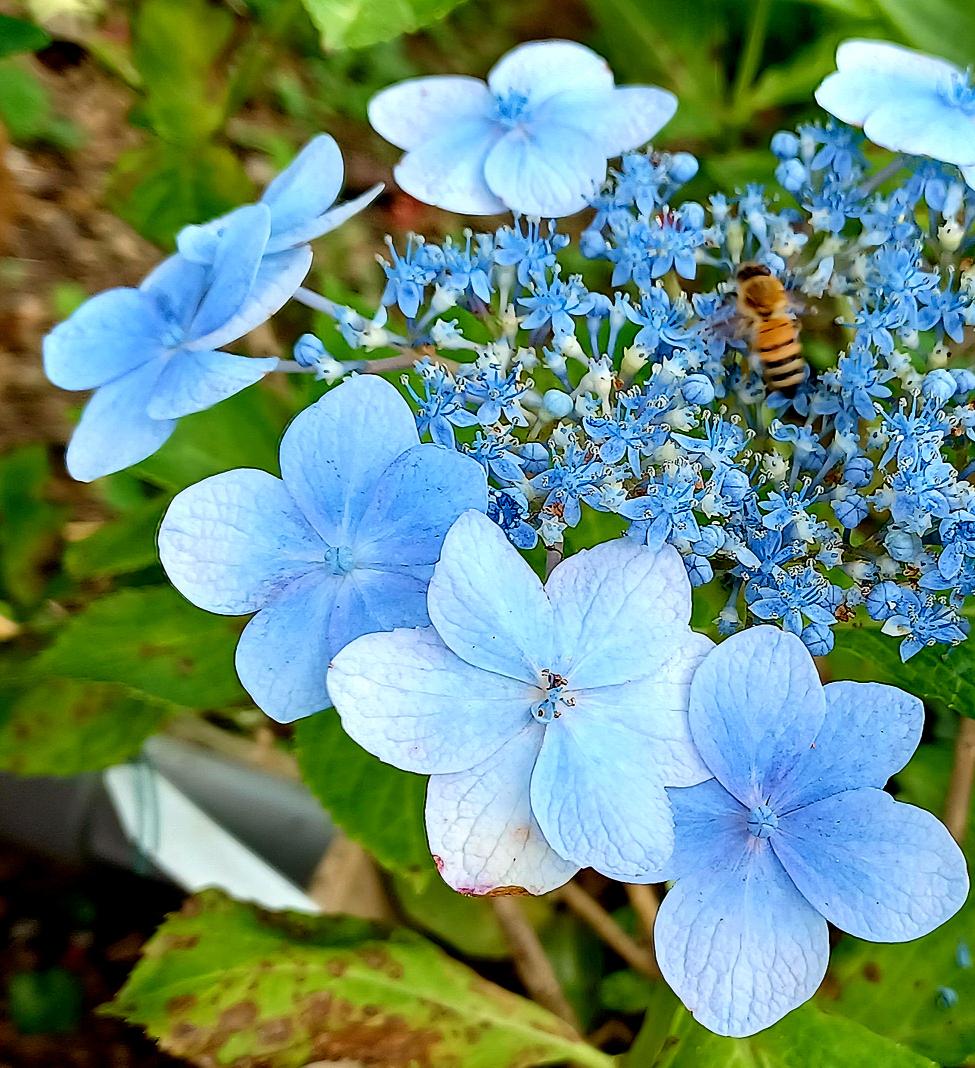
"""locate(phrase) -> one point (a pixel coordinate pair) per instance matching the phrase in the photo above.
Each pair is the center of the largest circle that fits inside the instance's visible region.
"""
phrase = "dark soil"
(68, 939)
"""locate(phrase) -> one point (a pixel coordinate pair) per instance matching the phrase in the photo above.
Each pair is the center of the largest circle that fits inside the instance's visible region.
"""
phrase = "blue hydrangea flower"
(151, 354)
(550, 718)
(300, 200)
(793, 830)
(534, 140)
(342, 544)
(905, 101)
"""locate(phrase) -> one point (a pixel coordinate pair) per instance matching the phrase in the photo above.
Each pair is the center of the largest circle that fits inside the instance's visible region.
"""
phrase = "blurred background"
(120, 123)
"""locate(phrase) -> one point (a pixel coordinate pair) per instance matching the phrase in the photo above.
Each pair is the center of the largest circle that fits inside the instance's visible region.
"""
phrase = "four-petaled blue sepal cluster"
(342, 544)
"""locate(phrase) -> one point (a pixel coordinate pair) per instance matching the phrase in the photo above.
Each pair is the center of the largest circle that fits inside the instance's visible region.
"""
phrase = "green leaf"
(243, 431)
(626, 991)
(154, 642)
(358, 23)
(44, 1003)
(162, 187)
(377, 805)
(793, 81)
(63, 727)
(943, 27)
(25, 107)
(465, 923)
(223, 983)
(119, 547)
(29, 525)
(19, 35)
(176, 48)
(806, 1038)
(893, 989)
(942, 677)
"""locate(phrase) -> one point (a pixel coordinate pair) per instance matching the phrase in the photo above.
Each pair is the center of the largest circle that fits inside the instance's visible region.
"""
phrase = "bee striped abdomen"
(777, 345)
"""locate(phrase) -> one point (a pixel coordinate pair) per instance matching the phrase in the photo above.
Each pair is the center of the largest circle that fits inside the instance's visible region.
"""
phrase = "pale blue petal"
(968, 173)
(539, 69)
(194, 381)
(405, 697)
(488, 605)
(604, 598)
(335, 452)
(756, 704)
(869, 733)
(550, 171)
(924, 126)
(232, 275)
(710, 827)
(418, 497)
(282, 655)
(377, 600)
(109, 335)
(853, 95)
(277, 280)
(886, 58)
(232, 541)
(448, 169)
(114, 431)
(483, 835)
(618, 120)
(597, 797)
(420, 109)
(873, 866)
(314, 227)
(739, 945)
(178, 286)
(654, 705)
(308, 186)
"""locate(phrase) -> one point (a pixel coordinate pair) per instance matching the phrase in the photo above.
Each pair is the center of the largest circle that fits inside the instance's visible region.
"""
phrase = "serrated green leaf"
(63, 727)
(122, 545)
(806, 1038)
(893, 989)
(29, 524)
(359, 23)
(377, 805)
(175, 49)
(163, 187)
(223, 983)
(942, 677)
(19, 35)
(154, 642)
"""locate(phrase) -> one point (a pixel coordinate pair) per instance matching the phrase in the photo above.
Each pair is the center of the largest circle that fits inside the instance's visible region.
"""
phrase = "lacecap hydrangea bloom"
(152, 354)
(342, 544)
(550, 718)
(905, 101)
(534, 139)
(794, 830)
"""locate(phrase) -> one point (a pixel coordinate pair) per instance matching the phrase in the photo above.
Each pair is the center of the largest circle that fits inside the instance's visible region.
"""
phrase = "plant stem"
(591, 912)
(645, 904)
(882, 175)
(752, 54)
(958, 803)
(532, 965)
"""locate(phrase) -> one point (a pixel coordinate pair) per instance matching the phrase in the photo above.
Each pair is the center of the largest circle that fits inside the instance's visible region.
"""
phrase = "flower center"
(555, 699)
(339, 559)
(762, 821)
(959, 92)
(511, 109)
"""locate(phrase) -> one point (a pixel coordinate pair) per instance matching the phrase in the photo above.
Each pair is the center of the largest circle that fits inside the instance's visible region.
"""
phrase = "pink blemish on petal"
(439, 862)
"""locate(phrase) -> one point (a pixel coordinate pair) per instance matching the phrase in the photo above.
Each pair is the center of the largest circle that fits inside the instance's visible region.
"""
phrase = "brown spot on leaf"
(178, 1005)
(275, 1032)
(380, 961)
(179, 942)
(238, 1016)
(871, 972)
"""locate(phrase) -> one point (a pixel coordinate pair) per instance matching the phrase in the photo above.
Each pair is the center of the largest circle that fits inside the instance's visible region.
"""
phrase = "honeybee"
(764, 306)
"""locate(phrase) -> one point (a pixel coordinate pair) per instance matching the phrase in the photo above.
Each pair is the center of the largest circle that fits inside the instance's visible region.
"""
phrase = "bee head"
(753, 270)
